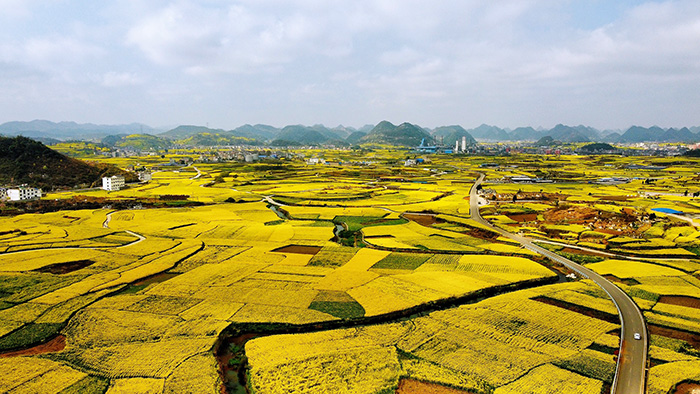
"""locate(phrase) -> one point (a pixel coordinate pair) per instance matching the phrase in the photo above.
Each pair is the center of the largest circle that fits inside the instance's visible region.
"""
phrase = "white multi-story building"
(113, 183)
(23, 193)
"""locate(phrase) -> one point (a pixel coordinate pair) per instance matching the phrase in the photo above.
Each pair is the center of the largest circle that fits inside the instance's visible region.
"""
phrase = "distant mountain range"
(405, 134)
(142, 137)
(70, 130)
(448, 135)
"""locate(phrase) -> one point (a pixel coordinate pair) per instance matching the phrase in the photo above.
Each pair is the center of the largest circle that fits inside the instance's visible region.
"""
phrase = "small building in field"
(113, 183)
(145, 176)
(23, 193)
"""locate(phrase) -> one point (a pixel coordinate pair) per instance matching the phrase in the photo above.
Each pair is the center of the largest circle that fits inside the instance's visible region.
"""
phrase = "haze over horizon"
(510, 63)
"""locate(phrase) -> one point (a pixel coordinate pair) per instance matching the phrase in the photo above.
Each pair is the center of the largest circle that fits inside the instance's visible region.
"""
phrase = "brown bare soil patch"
(687, 388)
(64, 268)
(692, 338)
(575, 214)
(412, 386)
(482, 233)
(596, 314)
(522, 217)
(423, 220)
(55, 345)
(690, 302)
(299, 249)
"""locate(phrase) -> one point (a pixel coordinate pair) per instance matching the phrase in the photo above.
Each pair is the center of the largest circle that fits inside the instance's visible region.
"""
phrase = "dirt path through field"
(55, 345)
(688, 388)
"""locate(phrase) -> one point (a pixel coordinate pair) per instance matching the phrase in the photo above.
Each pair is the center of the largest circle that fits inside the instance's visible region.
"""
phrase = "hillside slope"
(23, 160)
(404, 134)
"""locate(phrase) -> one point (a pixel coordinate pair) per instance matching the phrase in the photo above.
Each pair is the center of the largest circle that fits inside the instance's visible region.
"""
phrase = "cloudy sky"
(607, 64)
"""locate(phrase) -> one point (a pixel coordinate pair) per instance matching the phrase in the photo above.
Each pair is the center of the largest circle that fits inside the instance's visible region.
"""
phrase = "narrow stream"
(278, 211)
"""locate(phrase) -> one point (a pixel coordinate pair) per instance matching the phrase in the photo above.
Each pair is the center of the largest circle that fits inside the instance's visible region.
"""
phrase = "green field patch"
(674, 344)
(23, 287)
(118, 238)
(333, 296)
(87, 385)
(590, 363)
(163, 305)
(627, 281)
(333, 256)
(318, 223)
(356, 223)
(402, 261)
(342, 310)
(30, 334)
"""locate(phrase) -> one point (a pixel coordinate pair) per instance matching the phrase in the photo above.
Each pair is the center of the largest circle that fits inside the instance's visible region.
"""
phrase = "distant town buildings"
(113, 183)
(23, 193)
(315, 160)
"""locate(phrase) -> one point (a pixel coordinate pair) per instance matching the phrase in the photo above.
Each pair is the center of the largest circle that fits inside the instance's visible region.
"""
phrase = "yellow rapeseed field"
(548, 379)
(142, 295)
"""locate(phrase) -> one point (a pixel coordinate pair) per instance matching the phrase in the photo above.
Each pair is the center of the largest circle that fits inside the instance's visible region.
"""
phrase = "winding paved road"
(630, 376)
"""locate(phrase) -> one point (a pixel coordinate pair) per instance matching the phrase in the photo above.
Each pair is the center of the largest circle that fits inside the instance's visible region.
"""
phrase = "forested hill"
(23, 160)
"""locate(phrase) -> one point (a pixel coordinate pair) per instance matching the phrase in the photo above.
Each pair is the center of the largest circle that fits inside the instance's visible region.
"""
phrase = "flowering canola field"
(141, 297)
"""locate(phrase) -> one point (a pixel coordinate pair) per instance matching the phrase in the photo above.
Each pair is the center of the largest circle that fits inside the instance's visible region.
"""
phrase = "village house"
(113, 183)
(23, 193)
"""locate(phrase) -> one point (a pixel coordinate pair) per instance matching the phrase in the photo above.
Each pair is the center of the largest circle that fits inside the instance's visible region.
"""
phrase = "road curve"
(630, 375)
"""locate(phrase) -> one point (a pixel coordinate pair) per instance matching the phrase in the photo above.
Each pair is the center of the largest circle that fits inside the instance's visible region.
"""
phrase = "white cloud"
(117, 79)
(652, 43)
(50, 51)
(236, 39)
(461, 59)
(653, 46)
(15, 8)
